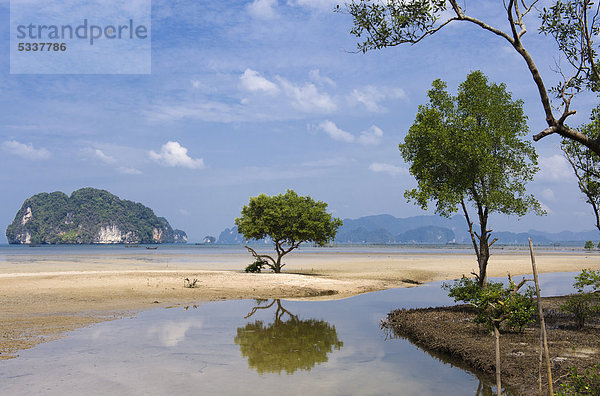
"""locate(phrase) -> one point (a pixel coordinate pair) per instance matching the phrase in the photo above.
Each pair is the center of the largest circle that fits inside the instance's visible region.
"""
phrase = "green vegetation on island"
(88, 216)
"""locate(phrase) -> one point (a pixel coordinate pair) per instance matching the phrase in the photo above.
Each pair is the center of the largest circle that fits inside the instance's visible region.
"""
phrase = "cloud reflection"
(171, 333)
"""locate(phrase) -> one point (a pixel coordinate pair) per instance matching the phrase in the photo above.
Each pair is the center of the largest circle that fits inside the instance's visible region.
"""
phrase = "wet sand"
(44, 296)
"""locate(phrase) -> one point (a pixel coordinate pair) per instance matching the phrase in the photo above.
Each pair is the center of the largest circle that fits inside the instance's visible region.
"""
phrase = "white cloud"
(336, 133)
(321, 5)
(26, 151)
(555, 168)
(277, 99)
(262, 9)
(252, 81)
(316, 76)
(548, 195)
(107, 159)
(371, 96)
(206, 110)
(390, 169)
(173, 154)
(371, 136)
(128, 171)
(307, 97)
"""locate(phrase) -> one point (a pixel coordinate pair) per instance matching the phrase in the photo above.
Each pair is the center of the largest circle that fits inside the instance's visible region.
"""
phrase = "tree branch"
(464, 208)
(545, 132)
(260, 256)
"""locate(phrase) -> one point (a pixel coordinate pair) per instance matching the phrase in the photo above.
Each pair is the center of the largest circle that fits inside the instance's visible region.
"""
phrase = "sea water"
(252, 347)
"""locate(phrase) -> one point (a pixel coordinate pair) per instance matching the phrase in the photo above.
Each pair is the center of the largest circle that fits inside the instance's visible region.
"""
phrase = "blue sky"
(249, 97)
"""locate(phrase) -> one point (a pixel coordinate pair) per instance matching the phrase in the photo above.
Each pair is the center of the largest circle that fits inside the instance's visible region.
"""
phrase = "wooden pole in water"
(542, 323)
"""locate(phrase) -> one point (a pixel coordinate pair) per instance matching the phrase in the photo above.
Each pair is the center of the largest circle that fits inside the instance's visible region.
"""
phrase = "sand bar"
(44, 296)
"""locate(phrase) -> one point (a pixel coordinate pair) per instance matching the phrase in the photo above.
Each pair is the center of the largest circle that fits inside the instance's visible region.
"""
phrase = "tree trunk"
(277, 267)
(498, 376)
(484, 247)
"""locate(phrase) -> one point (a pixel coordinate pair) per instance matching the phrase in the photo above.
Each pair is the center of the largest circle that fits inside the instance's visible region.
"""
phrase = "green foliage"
(586, 163)
(585, 303)
(395, 22)
(56, 218)
(468, 150)
(289, 220)
(589, 245)
(587, 278)
(495, 303)
(578, 383)
(574, 25)
(470, 147)
(256, 266)
(581, 306)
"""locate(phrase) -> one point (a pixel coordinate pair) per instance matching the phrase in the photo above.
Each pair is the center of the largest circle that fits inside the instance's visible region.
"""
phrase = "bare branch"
(430, 32)
(545, 132)
(259, 307)
(464, 208)
(260, 256)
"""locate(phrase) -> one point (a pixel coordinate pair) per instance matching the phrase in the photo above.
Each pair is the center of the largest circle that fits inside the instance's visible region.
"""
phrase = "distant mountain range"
(387, 229)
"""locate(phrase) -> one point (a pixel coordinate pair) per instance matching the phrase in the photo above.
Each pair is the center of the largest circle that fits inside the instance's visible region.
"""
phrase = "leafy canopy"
(469, 147)
(288, 219)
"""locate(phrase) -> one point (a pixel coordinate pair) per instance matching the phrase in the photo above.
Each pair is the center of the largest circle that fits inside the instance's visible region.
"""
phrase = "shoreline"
(451, 333)
(44, 296)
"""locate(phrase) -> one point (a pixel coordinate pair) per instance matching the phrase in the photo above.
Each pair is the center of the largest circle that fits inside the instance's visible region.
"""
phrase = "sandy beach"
(44, 296)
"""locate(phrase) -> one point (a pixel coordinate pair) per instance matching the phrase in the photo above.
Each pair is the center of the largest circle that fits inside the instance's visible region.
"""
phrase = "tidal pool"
(250, 347)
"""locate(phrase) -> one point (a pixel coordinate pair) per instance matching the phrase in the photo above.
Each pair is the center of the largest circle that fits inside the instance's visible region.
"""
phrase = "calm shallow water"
(214, 349)
(192, 249)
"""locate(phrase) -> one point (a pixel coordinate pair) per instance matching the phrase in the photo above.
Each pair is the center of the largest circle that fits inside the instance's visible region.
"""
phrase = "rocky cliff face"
(88, 216)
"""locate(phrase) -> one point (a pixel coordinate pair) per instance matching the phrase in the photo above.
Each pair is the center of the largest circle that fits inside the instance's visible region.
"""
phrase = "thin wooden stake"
(542, 322)
(498, 376)
(540, 359)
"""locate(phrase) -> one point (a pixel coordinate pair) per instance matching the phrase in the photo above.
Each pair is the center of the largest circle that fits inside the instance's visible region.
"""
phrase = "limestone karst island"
(88, 216)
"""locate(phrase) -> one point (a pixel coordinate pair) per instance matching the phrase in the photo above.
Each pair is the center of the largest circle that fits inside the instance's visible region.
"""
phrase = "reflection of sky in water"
(171, 351)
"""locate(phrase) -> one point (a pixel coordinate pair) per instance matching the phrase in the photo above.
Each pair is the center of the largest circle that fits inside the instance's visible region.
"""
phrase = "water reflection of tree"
(288, 345)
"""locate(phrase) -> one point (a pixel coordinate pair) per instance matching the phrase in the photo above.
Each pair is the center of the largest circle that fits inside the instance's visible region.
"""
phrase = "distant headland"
(88, 216)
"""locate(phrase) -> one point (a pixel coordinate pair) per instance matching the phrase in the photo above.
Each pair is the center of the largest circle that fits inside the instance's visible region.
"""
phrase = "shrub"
(577, 383)
(589, 245)
(588, 278)
(495, 304)
(256, 266)
(583, 304)
(190, 283)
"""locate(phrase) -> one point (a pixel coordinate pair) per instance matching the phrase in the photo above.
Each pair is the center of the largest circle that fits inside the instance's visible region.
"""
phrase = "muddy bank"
(450, 331)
